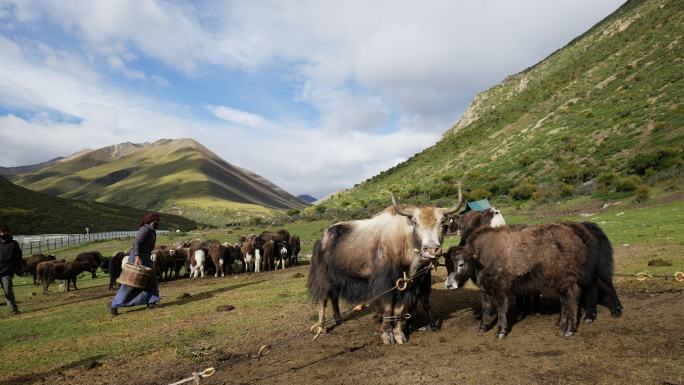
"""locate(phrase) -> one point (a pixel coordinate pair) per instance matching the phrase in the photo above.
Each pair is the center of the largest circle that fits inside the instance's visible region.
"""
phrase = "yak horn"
(459, 204)
(398, 209)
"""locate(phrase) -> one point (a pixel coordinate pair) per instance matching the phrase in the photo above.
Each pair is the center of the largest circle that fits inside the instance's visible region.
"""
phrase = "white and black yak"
(357, 260)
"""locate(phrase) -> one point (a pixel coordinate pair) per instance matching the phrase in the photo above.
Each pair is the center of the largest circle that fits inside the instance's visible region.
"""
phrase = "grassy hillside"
(601, 116)
(175, 176)
(29, 212)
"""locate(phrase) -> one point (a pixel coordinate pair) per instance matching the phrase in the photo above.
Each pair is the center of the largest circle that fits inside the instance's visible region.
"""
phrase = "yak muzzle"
(431, 253)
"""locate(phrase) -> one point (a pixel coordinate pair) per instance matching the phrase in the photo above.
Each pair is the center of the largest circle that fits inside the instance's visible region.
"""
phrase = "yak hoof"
(338, 319)
(501, 334)
(617, 313)
(589, 320)
(387, 337)
(318, 330)
(316, 327)
(434, 327)
(568, 334)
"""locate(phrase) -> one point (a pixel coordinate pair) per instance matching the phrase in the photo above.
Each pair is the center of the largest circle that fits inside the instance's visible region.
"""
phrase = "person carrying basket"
(140, 286)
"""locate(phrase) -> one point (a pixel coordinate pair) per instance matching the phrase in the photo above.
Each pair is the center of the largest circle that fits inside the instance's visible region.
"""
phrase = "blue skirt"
(133, 296)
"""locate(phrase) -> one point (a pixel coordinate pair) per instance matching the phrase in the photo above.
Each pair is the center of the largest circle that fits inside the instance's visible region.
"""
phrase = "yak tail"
(607, 293)
(605, 252)
(317, 282)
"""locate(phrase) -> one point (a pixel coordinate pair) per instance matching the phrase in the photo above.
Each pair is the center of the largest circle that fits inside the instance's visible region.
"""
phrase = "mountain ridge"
(169, 175)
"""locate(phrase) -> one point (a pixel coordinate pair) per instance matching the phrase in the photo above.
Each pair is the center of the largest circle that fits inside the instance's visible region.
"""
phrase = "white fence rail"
(33, 244)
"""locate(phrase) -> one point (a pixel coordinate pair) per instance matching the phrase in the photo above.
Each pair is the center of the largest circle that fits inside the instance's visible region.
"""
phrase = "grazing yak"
(91, 258)
(472, 220)
(266, 243)
(198, 259)
(181, 258)
(68, 271)
(357, 260)
(281, 255)
(251, 255)
(295, 247)
(280, 235)
(219, 254)
(566, 258)
(30, 264)
(237, 255)
(115, 266)
(162, 260)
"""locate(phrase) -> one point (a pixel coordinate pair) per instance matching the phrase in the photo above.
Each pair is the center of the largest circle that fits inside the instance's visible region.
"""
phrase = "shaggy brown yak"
(567, 258)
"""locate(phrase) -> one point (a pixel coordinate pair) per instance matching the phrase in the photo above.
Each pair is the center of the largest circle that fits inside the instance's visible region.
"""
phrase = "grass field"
(68, 337)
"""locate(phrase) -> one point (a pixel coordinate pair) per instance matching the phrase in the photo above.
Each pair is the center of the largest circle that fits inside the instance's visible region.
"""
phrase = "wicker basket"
(135, 276)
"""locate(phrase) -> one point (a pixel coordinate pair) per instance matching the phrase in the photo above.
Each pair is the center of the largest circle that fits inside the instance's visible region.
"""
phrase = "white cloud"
(118, 65)
(238, 117)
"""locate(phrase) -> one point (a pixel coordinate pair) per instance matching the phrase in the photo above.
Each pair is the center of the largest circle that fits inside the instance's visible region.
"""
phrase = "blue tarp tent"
(480, 205)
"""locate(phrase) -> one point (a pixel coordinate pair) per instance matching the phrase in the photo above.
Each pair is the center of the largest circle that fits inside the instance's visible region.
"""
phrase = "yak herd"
(255, 253)
(513, 266)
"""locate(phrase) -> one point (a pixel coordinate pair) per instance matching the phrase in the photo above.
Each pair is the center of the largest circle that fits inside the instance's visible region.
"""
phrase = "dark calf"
(93, 260)
(114, 268)
(68, 271)
(30, 264)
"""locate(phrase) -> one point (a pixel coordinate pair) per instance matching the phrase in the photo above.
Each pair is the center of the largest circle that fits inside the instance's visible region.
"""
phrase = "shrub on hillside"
(612, 182)
(566, 190)
(627, 183)
(570, 173)
(479, 193)
(542, 195)
(523, 191)
(658, 160)
(526, 160)
(642, 193)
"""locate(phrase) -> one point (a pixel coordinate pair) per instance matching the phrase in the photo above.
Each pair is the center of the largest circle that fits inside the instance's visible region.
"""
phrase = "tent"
(480, 205)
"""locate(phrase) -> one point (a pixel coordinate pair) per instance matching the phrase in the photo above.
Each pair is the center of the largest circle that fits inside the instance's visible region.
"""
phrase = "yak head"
(427, 224)
(459, 266)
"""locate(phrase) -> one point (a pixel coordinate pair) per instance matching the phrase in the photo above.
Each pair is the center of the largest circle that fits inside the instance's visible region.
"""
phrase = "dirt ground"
(644, 346)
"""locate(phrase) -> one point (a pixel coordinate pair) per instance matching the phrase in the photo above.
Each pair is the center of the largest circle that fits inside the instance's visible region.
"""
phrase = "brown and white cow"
(360, 259)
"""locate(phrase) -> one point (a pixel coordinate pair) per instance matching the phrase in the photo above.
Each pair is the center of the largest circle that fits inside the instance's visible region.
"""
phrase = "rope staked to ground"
(401, 285)
(642, 276)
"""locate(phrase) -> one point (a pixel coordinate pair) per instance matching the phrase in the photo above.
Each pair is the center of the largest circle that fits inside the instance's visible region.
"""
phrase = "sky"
(313, 95)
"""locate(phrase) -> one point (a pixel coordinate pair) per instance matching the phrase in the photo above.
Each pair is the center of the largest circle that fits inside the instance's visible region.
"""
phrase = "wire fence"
(33, 244)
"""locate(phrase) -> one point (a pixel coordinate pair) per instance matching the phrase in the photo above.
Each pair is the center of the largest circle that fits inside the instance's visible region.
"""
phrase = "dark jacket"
(144, 242)
(10, 257)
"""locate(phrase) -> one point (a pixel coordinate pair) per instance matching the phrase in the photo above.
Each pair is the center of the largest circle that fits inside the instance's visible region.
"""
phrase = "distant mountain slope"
(29, 212)
(606, 108)
(179, 176)
(306, 198)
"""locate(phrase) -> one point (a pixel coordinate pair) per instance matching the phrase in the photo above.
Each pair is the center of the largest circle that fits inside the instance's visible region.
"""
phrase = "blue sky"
(314, 95)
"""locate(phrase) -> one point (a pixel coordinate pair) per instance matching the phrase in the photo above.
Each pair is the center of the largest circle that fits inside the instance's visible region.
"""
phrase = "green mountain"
(173, 176)
(602, 115)
(29, 212)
